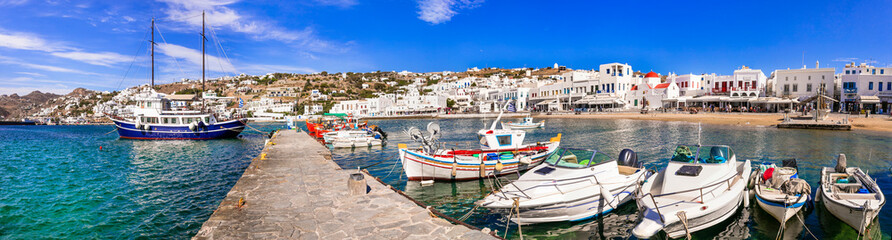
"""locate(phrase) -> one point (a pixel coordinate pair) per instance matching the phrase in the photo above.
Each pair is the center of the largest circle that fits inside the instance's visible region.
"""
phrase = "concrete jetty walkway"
(298, 192)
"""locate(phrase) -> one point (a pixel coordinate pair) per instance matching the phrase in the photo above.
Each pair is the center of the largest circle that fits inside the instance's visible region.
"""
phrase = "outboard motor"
(627, 157)
(383, 134)
(790, 163)
(717, 153)
(841, 163)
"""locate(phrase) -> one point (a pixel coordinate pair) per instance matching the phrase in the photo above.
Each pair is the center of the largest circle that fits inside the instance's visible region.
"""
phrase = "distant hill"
(15, 106)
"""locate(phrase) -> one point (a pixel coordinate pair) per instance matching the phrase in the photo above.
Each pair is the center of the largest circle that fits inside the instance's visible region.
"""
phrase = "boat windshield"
(702, 154)
(575, 158)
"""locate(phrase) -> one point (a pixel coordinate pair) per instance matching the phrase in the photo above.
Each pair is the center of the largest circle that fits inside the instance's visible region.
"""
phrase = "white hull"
(855, 209)
(723, 192)
(517, 126)
(356, 142)
(781, 213)
(422, 166)
(772, 199)
(567, 194)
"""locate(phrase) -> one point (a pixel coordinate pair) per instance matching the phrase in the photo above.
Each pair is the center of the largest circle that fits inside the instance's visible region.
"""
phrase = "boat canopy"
(702, 154)
(576, 158)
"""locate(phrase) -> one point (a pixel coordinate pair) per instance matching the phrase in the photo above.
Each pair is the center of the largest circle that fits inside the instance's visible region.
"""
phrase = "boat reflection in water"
(833, 228)
(767, 227)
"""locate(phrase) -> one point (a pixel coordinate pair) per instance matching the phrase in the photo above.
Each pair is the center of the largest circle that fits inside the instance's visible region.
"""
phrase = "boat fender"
(192, 127)
(607, 197)
(499, 166)
(754, 176)
(147, 127)
(137, 125)
(482, 168)
(746, 199)
(454, 169)
(526, 160)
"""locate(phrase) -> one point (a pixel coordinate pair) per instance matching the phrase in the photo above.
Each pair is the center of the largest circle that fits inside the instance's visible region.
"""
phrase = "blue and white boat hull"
(227, 129)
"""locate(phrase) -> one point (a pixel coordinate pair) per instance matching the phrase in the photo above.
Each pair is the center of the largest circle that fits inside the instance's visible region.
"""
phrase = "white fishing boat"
(851, 195)
(526, 123)
(329, 137)
(701, 186)
(572, 185)
(360, 141)
(501, 152)
(779, 190)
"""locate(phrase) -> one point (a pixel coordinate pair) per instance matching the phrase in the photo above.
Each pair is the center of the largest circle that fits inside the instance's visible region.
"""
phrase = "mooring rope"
(467, 215)
(116, 129)
(391, 170)
(252, 128)
(805, 226)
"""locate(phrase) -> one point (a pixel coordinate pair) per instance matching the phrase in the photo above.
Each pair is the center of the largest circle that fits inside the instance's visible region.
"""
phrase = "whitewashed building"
(866, 87)
(803, 83)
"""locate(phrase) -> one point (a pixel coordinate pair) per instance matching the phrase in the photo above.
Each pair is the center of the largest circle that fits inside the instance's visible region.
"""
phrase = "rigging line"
(131, 62)
(219, 50)
(219, 42)
(174, 58)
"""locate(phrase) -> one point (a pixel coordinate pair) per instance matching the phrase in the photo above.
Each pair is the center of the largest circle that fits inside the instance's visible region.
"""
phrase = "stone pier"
(295, 191)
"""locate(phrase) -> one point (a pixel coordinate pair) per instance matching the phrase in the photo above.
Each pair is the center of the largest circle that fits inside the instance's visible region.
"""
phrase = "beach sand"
(874, 123)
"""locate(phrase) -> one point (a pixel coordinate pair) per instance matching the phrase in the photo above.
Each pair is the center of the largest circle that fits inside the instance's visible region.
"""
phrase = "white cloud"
(845, 59)
(13, 61)
(5, 3)
(31, 74)
(439, 11)
(220, 16)
(102, 58)
(194, 57)
(27, 41)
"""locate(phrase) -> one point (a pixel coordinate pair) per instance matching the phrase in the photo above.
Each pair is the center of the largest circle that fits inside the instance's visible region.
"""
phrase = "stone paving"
(298, 192)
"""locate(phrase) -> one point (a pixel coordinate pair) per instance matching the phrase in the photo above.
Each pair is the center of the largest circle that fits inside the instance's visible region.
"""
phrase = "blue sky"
(58, 45)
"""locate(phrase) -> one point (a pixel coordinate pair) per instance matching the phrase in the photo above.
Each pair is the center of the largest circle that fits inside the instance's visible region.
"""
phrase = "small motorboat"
(501, 152)
(352, 142)
(851, 195)
(779, 190)
(527, 123)
(700, 187)
(329, 137)
(572, 185)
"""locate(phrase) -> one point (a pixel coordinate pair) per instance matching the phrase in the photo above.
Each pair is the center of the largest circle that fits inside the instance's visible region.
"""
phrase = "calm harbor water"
(56, 183)
(653, 141)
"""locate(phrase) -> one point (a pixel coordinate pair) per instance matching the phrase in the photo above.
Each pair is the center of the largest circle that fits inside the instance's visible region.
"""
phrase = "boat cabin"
(154, 108)
(500, 138)
(695, 166)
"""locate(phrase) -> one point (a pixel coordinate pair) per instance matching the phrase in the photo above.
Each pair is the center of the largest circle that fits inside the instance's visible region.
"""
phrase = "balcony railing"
(850, 90)
(734, 89)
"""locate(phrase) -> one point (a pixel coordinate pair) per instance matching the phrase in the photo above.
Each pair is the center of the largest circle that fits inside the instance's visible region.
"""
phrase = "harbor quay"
(293, 190)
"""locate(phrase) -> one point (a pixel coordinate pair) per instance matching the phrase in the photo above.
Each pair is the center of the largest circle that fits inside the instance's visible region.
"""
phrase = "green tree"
(450, 103)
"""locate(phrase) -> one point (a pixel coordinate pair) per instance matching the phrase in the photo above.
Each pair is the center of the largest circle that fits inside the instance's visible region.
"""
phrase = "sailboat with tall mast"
(154, 119)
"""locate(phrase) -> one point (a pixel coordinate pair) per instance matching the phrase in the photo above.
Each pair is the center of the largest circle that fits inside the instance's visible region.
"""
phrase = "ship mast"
(153, 52)
(203, 39)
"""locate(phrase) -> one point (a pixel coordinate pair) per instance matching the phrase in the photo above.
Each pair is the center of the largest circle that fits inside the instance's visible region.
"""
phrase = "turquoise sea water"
(56, 183)
(654, 142)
